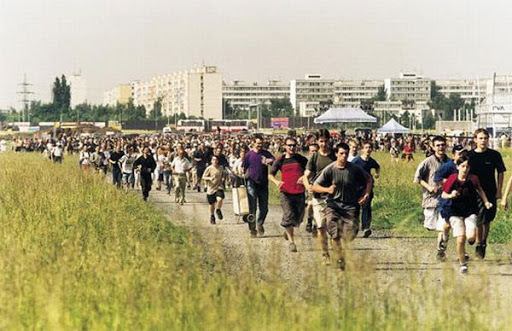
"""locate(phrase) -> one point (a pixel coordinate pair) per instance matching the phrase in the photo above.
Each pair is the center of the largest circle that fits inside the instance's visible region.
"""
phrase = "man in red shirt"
(292, 166)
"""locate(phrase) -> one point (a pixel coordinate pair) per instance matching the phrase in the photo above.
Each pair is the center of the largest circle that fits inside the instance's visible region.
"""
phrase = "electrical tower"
(24, 98)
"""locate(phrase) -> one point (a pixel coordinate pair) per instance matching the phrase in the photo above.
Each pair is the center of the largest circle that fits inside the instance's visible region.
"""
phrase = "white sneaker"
(463, 269)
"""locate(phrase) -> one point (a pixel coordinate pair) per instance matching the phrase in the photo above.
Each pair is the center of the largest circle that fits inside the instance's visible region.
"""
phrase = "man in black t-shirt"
(368, 163)
(117, 175)
(485, 164)
(200, 159)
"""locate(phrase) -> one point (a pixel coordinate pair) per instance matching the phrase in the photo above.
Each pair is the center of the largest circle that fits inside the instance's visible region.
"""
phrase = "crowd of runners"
(324, 179)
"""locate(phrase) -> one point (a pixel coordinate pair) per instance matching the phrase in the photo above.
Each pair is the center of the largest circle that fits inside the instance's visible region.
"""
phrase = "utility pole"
(24, 97)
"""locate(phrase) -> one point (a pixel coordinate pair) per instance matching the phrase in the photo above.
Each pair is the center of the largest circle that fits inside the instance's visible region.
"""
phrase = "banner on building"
(279, 122)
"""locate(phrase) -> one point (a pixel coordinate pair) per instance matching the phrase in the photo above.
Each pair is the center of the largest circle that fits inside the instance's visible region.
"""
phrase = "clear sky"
(114, 41)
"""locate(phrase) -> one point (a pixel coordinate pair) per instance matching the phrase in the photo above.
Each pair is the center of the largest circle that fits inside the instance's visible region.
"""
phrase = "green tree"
(429, 122)
(61, 92)
(405, 119)
(156, 112)
(280, 108)
(381, 94)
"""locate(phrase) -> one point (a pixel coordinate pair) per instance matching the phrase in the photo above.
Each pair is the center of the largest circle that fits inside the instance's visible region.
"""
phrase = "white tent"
(393, 127)
(345, 115)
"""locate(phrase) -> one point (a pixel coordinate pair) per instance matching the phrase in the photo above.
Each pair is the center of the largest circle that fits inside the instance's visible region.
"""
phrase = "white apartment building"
(350, 93)
(241, 95)
(197, 92)
(78, 89)
(120, 94)
(468, 89)
(409, 86)
(313, 88)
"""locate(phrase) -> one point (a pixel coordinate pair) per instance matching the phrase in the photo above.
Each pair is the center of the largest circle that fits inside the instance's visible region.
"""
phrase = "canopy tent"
(393, 127)
(345, 115)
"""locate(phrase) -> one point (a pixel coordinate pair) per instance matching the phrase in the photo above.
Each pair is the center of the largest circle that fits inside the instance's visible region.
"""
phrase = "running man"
(316, 163)
(256, 163)
(342, 180)
(424, 176)
(313, 149)
(180, 165)
(127, 162)
(291, 187)
(117, 175)
(485, 164)
(367, 162)
(214, 175)
(146, 165)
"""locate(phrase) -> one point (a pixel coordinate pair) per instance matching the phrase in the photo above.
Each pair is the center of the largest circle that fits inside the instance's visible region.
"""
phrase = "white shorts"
(319, 212)
(433, 219)
(461, 225)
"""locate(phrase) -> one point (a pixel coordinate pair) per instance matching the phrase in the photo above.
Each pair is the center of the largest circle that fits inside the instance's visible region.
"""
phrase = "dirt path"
(391, 259)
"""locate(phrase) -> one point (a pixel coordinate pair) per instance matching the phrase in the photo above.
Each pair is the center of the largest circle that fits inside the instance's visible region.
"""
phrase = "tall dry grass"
(75, 253)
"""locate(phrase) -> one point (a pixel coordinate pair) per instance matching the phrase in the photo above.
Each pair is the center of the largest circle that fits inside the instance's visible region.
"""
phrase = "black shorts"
(212, 198)
(486, 216)
(161, 177)
(342, 221)
(293, 209)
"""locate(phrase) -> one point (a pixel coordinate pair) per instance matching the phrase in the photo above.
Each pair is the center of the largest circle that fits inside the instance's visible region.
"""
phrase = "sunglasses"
(291, 145)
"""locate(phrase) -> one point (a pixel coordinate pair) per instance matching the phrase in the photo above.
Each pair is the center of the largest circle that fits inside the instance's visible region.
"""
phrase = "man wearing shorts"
(424, 176)
(485, 164)
(127, 162)
(214, 176)
(343, 181)
(316, 163)
(291, 187)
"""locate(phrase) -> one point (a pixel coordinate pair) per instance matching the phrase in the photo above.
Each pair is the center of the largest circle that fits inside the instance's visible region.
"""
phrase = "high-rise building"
(307, 93)
(120, 94)
(468, 89)
(350, 93)
(409, 86)
(78, 89)
(241, 95)
(197, 92)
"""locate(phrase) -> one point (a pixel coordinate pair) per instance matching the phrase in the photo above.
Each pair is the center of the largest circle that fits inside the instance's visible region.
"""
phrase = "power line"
(25, 93)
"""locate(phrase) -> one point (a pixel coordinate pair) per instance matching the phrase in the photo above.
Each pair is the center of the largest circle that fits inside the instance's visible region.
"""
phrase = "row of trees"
(60, 109)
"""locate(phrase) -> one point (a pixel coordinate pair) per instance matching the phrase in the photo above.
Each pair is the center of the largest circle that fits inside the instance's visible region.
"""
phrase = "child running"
(214, 176)
(462, 189)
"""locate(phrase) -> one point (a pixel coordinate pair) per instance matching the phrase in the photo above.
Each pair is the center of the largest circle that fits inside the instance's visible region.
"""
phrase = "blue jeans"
(258, 196)
(117, 177)
(168, 180)
(366, 213)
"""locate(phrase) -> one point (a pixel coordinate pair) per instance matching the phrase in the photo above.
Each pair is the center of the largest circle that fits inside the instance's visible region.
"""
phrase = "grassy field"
(75, 253)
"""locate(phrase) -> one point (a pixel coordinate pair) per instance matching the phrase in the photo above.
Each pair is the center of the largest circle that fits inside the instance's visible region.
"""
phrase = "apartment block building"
(309, 91)
(350, 93)
(196, 92)
(242, 95)
(468, 89)
(409, 86)
(120, 94)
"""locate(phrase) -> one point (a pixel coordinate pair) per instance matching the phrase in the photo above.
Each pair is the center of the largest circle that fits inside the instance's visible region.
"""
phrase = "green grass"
(75, 253)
